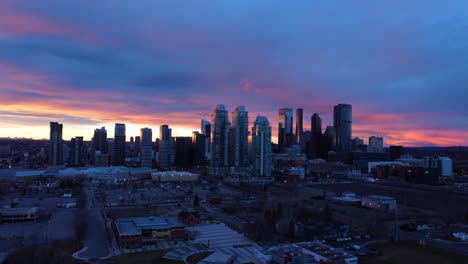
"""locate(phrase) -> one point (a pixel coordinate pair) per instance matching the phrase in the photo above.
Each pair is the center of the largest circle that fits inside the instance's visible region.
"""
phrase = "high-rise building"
(137, 145)
(56, 144)
(76, 152)
(285, 129)
(183, 152)
(206, 130)
(376, 144)
(165, 147)
(261, 147)
(239, 136)
(198, 143)
(342, 124)
(146, 155)
(220, 137)
(316, 135)
(111, 147)
(299, 126)
(119, 145)
(326, 143)
(100, 141)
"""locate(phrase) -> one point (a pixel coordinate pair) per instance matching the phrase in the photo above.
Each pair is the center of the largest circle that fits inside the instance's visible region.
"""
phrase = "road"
(96, 237)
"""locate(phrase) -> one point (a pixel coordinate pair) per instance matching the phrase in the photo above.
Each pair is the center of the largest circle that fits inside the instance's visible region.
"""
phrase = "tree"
(196, 201)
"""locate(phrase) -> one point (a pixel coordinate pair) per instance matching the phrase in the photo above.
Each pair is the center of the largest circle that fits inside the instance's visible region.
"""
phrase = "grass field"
(411, 252)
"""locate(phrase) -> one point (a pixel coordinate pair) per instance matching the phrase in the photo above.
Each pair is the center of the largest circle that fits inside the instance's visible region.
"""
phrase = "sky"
(401, 64)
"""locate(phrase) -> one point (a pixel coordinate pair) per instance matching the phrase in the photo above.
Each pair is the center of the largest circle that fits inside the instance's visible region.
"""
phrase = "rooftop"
(151, 222)
(380, 197)
(127, 227)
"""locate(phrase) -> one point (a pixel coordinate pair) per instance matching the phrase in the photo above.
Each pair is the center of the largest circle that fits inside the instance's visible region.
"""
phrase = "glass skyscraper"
(342, 124)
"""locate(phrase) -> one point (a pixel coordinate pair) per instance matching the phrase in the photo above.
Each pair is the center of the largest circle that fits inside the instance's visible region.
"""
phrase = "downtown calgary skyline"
(86, 64)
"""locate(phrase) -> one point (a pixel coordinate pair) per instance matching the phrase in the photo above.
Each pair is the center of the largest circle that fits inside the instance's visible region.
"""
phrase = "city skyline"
(81, 64)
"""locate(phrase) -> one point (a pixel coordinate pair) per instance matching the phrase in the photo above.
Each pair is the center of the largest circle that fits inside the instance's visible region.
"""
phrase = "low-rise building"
(141, 231)
(304, 252)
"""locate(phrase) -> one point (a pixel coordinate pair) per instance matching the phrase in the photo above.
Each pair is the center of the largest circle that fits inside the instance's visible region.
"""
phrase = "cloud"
(400, 64)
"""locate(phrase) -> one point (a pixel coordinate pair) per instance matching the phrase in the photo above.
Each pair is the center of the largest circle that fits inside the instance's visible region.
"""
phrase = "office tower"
(65, 152)
(261, 147)
(342, 123)
(285, 132)
(183, 152)
(100, 141)
(165, 147)
(376, 144)
(239, 136)
(119, 145)
(76, 152)
(132, 143)
(146, 156)
(395, 152)
(206, 130)
(137, 145)
(219, 137)
(299, 126)
(56, 144)
(316, 135)
(198, 143)
(111, 147)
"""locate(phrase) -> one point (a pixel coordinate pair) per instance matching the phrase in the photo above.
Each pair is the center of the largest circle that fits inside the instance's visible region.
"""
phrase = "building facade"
(220, 138)
(56, 144)
(299, 126)
(165, 147)
(76, 152)
(376, 144)
(342, 124)
(261, 147)
(146, 154)
(285, 129)
(119, 145)
(239, 137)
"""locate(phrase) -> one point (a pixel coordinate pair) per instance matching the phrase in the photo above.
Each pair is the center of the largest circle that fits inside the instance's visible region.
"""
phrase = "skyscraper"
(137, 145)
(183, 152)
(146, 155)
(198, 143)
(376, 144)
(342, 124)
(220, 137)
(261, 147)
(316, 130)
(239, 136)
(326, 142)
(119, 145)
(206, 130)
(56, 144)
(299, 126)
(100, 140)
(76, 157)
(165, 147)
(285, 129)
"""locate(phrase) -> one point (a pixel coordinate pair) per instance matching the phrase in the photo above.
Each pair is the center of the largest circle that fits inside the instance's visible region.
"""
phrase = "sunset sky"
(403, 65)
